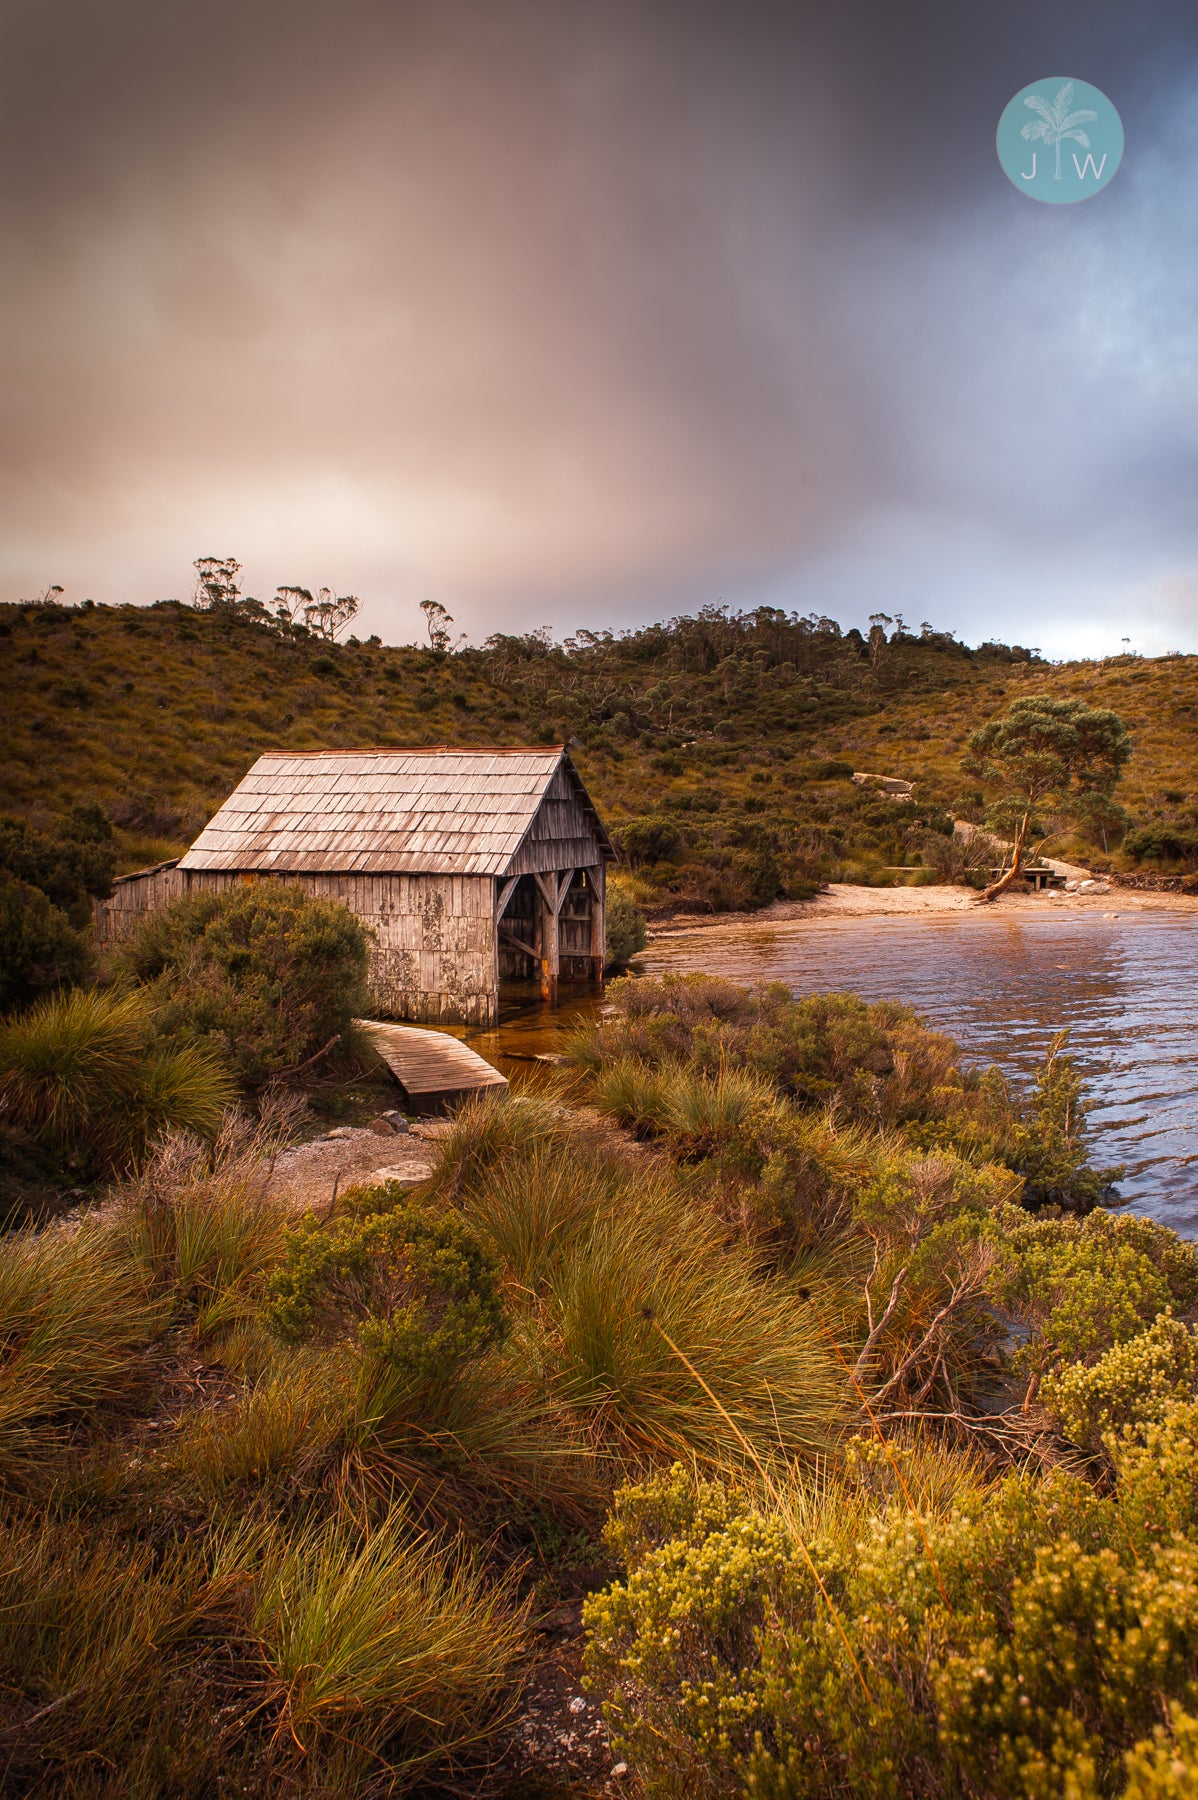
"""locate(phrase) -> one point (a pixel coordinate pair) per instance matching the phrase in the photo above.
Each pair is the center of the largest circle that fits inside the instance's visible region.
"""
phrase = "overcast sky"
(587, 312)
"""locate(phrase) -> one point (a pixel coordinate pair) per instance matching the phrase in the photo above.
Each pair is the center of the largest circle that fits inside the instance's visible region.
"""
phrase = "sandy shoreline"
(843, 901)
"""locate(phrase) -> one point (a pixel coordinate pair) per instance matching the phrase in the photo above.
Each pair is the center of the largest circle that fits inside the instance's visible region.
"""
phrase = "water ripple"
(1124, 987)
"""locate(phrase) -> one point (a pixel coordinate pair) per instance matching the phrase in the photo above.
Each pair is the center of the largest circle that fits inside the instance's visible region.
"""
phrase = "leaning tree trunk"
(1004, 881)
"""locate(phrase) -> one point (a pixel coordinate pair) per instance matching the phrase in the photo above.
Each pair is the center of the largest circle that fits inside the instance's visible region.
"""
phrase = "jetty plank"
(431, 1065)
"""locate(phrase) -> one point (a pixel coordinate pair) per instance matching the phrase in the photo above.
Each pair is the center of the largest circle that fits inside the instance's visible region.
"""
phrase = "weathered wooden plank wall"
(133, 896)
(560, 836)
(433, 954)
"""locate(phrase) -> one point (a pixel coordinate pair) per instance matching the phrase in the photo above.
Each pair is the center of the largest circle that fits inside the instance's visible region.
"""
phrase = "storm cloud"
(565, 314)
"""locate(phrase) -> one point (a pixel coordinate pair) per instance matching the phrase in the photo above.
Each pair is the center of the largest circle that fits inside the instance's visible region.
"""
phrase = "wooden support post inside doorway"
(597, 882)
(553, 887)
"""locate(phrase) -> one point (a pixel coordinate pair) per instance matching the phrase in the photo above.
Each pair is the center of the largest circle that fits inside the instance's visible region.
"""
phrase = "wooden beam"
(431, 1063)
(528, 950)
(505, 894)
(552, 893)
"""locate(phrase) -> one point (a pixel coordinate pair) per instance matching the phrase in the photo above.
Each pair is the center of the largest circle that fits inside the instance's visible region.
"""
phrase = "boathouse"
(469, 866)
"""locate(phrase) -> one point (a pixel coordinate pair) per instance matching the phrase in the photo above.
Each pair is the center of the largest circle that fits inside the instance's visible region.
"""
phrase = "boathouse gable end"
(466, 865)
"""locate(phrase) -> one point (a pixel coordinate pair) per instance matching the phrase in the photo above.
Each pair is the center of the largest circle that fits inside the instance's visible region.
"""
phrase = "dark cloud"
(563, 313)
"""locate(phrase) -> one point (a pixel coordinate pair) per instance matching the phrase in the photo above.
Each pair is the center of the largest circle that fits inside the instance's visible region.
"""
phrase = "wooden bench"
(1037, 876)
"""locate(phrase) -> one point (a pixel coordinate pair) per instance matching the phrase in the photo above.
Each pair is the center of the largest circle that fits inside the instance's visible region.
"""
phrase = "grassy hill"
(718, 746)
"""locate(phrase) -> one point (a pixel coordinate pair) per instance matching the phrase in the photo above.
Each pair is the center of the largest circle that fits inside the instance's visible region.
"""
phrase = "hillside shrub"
(40, 950)
(654, 838)
(627, 932)
(264, 972)
(1168, 845)
(70, 865)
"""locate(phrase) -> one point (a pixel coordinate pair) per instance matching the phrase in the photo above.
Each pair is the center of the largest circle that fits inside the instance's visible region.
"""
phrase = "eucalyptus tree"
(1041, 756)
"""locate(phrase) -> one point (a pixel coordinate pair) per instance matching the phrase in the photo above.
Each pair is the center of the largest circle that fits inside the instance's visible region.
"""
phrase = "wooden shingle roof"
(395, 812)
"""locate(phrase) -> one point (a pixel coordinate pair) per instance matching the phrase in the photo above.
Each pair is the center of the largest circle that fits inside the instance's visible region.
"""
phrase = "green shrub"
(627, 932)
(1170, 845)
(263, 971)
(876, 1062)
(40, 950)
(698, 1112)
(812, 1171)
(1165, 1766)
(1086, 1285)
(90, 1075)
(415, 1288)
(1049, 1143)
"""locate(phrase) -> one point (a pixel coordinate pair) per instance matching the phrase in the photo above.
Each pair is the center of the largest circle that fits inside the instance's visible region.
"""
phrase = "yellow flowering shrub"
(1130, 1387)
(1086, 1284)
(1032, 1643)
(1165, 1766)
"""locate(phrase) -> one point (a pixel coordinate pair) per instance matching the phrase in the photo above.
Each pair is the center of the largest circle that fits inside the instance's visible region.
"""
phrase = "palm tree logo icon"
(1056, 122)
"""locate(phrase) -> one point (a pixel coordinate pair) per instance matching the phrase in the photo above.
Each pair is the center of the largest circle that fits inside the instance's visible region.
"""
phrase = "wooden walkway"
(431, 1066)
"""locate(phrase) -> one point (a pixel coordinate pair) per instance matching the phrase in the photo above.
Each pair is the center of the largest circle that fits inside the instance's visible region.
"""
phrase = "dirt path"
(350, 1155)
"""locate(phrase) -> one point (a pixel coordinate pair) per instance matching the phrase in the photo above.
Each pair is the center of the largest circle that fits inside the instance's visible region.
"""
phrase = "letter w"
(1089, 167)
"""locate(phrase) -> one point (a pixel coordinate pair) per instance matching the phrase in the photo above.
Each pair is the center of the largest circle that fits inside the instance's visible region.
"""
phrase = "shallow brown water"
(1125, 986)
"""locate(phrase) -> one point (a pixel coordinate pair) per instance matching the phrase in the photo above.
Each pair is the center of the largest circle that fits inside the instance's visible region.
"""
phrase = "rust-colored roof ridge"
(429, 750)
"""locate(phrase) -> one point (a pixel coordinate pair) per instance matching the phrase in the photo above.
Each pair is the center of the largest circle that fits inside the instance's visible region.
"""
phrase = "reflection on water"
(1002, 986)
(529, 1030)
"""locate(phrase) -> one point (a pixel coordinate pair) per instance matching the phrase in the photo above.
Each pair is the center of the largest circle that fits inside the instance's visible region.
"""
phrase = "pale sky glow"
(576, 316)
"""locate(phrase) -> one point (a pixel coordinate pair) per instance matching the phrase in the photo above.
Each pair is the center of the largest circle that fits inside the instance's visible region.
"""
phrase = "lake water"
(1126, 987)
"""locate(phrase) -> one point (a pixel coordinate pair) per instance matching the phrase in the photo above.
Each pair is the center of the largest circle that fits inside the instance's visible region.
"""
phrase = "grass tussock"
(276, 1431)
(200, 1223)
(85, 1073)
(285, 1659)
(607, 1262)
(382, 1635)
(73, 1317)
(102, 1651)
